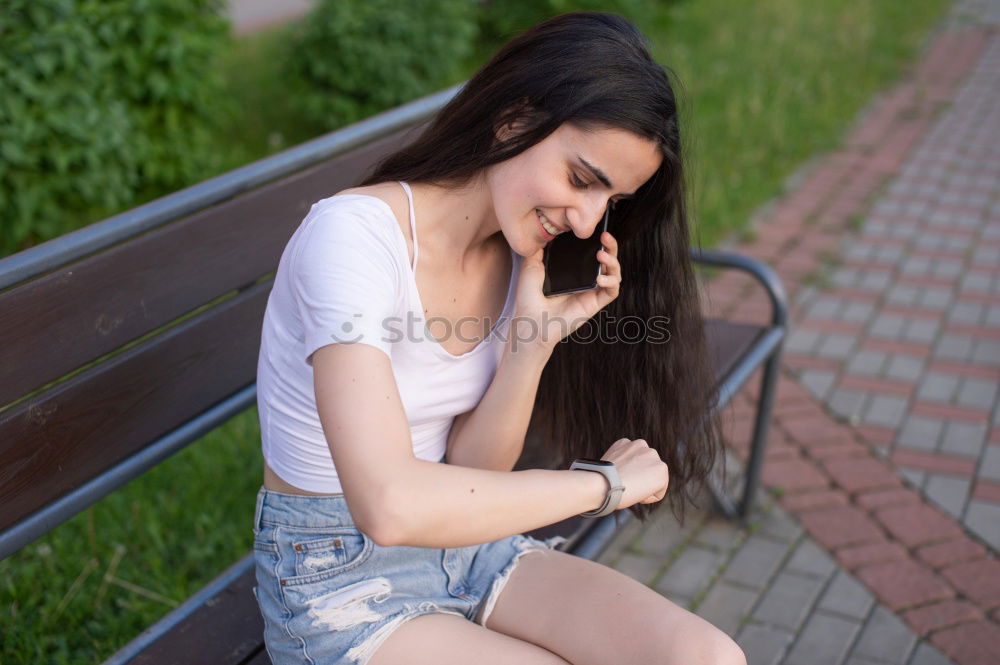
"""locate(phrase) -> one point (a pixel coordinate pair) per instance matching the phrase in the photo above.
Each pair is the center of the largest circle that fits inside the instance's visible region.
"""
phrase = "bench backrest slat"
(198, 284)
(61, 321)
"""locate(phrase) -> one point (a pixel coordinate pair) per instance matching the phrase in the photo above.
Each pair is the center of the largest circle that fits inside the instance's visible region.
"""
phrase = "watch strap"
(615, 487)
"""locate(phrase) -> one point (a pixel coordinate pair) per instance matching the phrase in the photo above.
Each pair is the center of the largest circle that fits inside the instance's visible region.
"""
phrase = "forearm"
(493, 435)
(441, 505)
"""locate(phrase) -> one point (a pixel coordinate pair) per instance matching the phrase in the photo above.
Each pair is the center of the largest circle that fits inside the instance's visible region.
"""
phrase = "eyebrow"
(600, 175)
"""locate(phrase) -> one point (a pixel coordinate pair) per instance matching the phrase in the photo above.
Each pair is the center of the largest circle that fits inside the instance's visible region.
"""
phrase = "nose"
(588, 216)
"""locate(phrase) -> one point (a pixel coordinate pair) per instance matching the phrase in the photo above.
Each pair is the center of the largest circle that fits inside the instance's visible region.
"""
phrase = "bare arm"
(491, 436)
(398, 499)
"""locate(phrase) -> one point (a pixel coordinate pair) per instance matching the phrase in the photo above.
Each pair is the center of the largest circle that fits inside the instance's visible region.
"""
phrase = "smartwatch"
(615, 487)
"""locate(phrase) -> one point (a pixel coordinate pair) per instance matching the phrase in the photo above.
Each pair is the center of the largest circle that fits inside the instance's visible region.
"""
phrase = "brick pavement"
(880, 542)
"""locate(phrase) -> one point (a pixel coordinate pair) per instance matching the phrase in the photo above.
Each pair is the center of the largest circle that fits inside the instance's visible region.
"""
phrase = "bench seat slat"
(728, 342)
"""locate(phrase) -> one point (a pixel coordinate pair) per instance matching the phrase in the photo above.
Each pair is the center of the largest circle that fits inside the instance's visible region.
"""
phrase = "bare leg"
(446, 639)
(590, 614)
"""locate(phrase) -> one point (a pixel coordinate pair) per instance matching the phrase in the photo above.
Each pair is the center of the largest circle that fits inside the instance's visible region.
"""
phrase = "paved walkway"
(253, 15)
(878, 542)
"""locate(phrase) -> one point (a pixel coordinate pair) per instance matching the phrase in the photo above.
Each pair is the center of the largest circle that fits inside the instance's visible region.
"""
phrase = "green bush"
(101, 101)
(354, 58)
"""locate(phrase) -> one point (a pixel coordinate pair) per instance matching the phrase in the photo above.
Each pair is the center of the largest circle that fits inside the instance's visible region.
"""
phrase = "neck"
(455, 225)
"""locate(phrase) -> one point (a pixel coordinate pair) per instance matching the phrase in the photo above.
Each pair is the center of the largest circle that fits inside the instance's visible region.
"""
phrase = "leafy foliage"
(358, 57)
(100, 100)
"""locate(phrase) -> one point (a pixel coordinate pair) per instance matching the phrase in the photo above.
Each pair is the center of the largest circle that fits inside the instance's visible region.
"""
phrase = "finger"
(609, 263)
(609, 243)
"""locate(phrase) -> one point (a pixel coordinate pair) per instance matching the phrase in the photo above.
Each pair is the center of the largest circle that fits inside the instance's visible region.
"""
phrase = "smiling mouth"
(548, 226)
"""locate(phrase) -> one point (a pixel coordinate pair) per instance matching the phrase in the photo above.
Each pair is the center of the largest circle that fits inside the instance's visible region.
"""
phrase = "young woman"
(407, 343)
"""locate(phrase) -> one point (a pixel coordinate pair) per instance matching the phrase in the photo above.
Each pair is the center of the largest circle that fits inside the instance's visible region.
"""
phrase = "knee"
(710, 647)
(725, 651)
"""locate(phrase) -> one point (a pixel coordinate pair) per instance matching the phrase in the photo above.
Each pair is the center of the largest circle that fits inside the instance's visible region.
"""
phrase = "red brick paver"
(841, 479)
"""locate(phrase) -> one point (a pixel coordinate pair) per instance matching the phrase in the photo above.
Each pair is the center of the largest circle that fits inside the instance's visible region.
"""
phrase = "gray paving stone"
(755, 562)
(639, 567)
(938, 387)
(802, 340)
(989, 468)
(886, 410)
(951, 346)
(988, 255)
(857, 312)
(861, 660)
(844, 278)
(836, 346)
(949, 492)
(920, 433)
(810, 560)
(763, 645)
(986, 352)
(824, 308)
(887, 326)
(689, 573)
(848, 403)
(888, 253)
(858, 252)
(976, 282)
(904, 368)
(885, 637)
(970, 313)
(934, 298)
(916, 265)
(847, 596)
(992, 317)
(817, 381)
(867, 363)
(778, 525)
(928, 655)
(961, 438)
(921, 331)
(979, 393)
(621, 543)
(874, 280)
(719, 534)
(726, 605)
(984, 519)
(825, 639)
(663, 535)
(902, 295)
(788, 600)
(947, 269)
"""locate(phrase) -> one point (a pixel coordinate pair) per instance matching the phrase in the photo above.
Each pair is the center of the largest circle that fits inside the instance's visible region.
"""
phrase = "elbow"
(381, 521)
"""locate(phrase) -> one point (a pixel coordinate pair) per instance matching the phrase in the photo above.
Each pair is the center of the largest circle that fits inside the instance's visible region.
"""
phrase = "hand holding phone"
(571, 263)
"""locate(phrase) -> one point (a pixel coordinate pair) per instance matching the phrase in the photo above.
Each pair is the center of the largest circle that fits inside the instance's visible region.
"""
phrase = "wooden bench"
(75, 301)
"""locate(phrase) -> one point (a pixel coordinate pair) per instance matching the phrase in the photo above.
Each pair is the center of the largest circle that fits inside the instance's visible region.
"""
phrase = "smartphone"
(571, 264)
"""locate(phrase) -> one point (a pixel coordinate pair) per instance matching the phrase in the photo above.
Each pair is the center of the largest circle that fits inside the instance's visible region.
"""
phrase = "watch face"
(599, 462)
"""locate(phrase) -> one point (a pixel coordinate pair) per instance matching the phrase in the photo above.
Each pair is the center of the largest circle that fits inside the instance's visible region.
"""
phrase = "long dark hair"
(593, 69)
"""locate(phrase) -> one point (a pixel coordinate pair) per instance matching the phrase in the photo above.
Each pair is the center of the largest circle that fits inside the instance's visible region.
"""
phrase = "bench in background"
(70, 302)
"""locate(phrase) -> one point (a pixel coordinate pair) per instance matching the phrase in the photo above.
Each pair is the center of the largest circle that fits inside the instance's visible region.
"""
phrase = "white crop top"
(344, 277)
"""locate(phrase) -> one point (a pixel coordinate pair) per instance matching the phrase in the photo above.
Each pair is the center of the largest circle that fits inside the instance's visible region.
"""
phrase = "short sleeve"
(345, 277)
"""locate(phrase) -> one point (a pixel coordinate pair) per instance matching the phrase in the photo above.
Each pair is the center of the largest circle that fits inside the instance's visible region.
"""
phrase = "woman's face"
(566, 181)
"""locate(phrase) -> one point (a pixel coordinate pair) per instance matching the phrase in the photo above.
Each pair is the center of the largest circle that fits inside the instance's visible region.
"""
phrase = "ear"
(514, 120)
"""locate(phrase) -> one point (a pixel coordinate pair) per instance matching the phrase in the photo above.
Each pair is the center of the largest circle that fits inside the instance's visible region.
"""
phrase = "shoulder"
(390, 193)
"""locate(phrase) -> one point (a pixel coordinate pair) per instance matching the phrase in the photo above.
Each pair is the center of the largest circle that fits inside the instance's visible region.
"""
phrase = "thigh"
(447, 639)
(591, 614)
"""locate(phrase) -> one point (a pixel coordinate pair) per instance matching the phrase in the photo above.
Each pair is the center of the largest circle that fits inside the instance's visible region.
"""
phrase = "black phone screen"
(571, 263)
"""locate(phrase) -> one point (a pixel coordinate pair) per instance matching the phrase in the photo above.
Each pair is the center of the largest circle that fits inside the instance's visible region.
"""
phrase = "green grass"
(771, 83)
(768, 84)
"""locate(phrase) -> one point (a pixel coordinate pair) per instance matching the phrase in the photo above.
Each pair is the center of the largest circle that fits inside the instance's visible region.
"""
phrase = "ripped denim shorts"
(329, 594)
